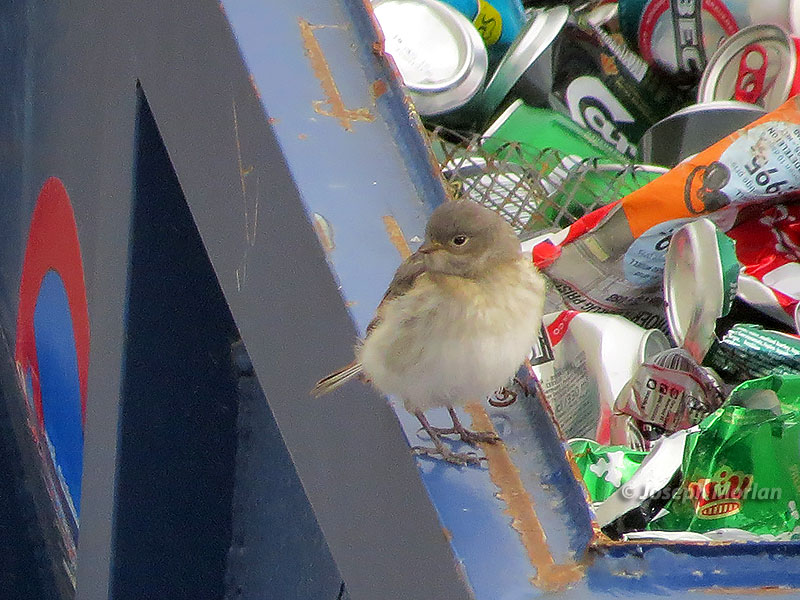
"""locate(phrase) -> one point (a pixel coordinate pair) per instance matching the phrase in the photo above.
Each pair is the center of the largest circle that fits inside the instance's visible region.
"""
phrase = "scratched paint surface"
(341, 119)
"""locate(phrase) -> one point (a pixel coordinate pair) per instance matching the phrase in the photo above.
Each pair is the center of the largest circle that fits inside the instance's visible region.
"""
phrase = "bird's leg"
(466, 435)
(457, 458)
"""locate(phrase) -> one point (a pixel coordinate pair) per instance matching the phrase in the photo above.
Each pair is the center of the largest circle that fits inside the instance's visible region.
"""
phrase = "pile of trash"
(650, 161)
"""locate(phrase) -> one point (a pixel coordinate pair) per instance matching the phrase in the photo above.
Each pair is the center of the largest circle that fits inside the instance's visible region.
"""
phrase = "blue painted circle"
(60, 385)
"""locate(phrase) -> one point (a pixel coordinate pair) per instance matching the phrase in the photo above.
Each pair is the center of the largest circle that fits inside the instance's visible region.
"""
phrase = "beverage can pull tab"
(752, 74)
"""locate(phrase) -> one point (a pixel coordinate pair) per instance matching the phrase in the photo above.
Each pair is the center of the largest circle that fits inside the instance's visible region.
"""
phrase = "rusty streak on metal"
(767, 590)
(396, 236)
(519, 505)
(252, 80)
(323, 72)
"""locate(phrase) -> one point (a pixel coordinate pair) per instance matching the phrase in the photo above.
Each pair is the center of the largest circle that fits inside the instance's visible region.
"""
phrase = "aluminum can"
(441, 58)
(769, 249)
(700, 277)
(757, 65)
(583, 173)
(694, 128)
(681, 35)
(739, 468)
(541, 128)
(671, 391)
(525, 71)
(604, 468)
(643, 495)
(608, 89)
(588, 360)
(499, 22)
(750, 351)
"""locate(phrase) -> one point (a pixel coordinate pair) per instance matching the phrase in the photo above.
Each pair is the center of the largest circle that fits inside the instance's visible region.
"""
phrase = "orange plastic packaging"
(754, 164)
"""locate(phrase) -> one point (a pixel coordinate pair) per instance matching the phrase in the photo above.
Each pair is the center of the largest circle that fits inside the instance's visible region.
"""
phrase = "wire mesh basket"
(536, 190)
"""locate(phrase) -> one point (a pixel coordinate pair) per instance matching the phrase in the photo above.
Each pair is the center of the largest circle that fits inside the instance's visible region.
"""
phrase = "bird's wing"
(404, 278)
(407, 273)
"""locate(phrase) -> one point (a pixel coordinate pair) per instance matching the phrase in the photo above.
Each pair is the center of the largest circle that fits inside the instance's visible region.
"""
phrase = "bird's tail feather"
(337, 378)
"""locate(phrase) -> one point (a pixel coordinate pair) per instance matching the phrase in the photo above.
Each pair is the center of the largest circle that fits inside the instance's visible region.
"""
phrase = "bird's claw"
(479, 437)
(456, 458)
(470, 437)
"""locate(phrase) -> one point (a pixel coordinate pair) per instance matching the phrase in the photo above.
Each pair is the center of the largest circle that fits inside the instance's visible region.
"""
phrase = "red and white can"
(758, 64)
(768, 246)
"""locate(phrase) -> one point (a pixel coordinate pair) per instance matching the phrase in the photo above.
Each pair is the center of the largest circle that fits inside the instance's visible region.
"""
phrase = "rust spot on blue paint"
(333, 105)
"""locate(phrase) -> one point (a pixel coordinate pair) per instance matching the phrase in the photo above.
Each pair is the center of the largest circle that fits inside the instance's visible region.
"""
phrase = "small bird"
(460, 316)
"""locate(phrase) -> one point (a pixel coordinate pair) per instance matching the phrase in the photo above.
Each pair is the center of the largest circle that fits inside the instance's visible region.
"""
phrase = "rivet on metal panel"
(505, 475)
(396, 236)
(323, 72)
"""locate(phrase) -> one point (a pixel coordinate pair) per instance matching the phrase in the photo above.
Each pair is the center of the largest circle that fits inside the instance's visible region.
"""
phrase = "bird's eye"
(459, 240)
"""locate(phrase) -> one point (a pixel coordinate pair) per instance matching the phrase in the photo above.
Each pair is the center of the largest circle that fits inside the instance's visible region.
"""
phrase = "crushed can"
(700, 280)
(749, 351)
(671, 391)
(768, 247)
(607, 88)
(741, 469)
(586, 361)
(604, 468)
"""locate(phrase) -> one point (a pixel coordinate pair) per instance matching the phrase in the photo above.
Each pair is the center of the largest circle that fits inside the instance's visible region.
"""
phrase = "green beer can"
(578, 170)
(742, 469)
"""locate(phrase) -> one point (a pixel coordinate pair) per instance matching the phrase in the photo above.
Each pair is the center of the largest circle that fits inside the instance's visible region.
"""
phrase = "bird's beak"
(429, 247)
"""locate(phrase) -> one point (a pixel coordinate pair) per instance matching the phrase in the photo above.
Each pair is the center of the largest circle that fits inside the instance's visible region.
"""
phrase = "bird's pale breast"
(450, 340)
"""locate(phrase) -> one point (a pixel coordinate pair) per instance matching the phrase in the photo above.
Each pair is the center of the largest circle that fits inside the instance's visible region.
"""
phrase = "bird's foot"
(456, 458)
(470, 437)
(478, 437)
(473, 438)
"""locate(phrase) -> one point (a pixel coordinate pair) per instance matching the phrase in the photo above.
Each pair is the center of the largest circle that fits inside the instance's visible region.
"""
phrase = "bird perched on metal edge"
(459, 318)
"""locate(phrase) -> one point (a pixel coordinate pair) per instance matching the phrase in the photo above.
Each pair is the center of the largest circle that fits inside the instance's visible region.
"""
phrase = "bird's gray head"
(465, 239)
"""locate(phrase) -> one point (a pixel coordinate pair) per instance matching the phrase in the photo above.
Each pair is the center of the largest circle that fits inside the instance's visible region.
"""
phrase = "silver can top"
(535, 38)
(438, 52)
(755, 65)
(700, 277)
